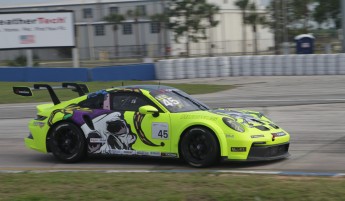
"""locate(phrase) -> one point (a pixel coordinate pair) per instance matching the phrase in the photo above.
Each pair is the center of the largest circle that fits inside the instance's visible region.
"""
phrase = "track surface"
(311, 109)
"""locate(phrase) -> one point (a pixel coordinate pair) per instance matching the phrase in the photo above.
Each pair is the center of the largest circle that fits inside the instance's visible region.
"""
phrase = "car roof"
(147, 87)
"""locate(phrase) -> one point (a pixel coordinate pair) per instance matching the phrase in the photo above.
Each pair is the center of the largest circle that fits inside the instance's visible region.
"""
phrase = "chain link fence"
(110, 55)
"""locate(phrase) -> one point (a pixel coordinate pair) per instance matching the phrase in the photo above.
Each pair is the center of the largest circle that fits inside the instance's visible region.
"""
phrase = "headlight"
(233, 124)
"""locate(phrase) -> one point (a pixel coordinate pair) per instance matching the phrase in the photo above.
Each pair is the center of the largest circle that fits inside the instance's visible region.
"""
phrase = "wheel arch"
(54, 126)
(217, 132)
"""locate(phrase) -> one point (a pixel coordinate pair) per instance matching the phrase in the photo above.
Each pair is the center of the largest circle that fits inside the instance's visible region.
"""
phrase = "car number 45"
(160, 131)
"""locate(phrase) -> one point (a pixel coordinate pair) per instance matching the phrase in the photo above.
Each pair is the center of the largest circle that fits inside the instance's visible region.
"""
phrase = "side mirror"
(148, 109)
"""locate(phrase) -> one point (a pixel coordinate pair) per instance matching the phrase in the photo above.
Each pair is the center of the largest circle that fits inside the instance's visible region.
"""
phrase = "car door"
(151, 132)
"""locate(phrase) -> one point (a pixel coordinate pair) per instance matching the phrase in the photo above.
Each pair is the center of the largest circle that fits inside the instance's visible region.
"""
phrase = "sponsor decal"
(39, 20)
(257, 136)
(154, 153)
(160, 131)
(97, 140)
(115, 151)
(39, 124)
(238, 149)
(143, 153)
(128, 152)
(230, 136)
(186, 116)
(171, 155)
(22, 92)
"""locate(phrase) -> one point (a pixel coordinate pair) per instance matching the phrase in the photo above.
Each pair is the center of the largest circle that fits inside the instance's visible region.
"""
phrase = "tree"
(254, 19)
(21, 61)
(243, 6)
(210, 11)
(300, 14)
(328, 11)
(190, 19)
(163, 20)
(135, 15)
(115, 19)
(288, 18)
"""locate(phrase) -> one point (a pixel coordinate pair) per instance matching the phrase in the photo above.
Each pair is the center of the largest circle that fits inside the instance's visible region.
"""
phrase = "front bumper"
(272, 152)
(31, 144)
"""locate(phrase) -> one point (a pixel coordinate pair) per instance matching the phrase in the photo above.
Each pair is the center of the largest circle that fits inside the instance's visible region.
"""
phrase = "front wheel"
(67, 143)
(199, 147)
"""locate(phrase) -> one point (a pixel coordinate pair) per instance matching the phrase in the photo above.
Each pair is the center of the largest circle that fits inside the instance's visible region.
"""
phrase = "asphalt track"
(311, 109)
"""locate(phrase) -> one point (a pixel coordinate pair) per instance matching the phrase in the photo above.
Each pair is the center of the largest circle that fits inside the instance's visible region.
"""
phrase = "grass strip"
(7, 95)
(167, 186)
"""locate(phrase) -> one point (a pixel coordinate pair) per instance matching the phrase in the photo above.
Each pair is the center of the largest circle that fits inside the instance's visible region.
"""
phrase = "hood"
(248, 118)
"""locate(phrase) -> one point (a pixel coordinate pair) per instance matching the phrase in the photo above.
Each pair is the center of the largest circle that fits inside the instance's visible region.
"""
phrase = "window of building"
(114, 10)
(142, 10)
(99, 30)
(127, 28)
(87, 12)
(155, 27)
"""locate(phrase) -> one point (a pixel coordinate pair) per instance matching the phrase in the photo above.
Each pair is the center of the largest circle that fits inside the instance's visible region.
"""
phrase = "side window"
(128, 101)
(95, 102)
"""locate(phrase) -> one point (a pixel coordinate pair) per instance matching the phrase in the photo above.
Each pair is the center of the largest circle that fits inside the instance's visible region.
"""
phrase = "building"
(96, 38)
(227, 37)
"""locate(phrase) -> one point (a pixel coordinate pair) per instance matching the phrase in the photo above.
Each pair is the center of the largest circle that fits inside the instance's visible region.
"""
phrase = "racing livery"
(150, 120)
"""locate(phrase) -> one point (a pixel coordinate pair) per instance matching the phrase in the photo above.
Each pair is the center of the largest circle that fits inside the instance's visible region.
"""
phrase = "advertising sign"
(36, 29)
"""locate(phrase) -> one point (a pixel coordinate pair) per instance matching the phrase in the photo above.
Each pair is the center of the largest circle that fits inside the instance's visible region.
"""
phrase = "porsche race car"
(150, 120)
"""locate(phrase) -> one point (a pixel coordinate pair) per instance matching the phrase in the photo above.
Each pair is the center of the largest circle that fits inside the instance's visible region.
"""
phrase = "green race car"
(150, 120)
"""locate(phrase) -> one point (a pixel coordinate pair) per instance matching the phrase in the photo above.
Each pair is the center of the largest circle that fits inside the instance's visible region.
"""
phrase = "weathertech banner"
(37, 29)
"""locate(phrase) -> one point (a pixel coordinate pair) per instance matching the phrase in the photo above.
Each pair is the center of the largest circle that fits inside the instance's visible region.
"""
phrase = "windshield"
(177, 101)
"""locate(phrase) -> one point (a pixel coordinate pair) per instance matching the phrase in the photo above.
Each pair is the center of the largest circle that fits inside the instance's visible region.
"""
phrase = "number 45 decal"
(160, 131)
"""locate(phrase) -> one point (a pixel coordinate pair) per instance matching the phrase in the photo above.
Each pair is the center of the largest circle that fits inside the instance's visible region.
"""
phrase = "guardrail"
(268, 65)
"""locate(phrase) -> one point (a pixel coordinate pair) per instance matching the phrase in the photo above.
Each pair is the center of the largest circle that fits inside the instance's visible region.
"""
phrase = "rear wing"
(81, 89)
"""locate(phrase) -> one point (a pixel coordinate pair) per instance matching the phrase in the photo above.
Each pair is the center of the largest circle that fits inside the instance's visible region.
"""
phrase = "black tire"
(199, 147)
(67, 142)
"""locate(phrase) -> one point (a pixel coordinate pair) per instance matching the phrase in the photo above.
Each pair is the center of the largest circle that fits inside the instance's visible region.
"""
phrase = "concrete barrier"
(180, 69)
(165, 70)
(213, 67)
(202, 67)
(128, 72)
(191, 68)
(235, 63)
(26, 74)
(111, 73)
(270, 65)
(224, 66)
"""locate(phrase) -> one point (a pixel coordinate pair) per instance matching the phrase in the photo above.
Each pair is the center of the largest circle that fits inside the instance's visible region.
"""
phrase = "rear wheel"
(67, 143)
(199, 147)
